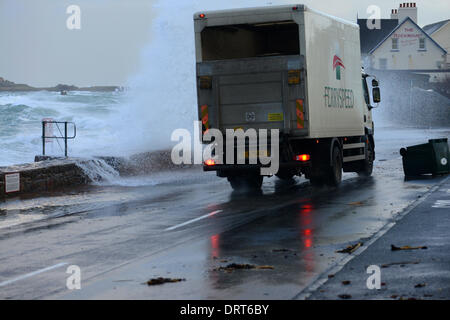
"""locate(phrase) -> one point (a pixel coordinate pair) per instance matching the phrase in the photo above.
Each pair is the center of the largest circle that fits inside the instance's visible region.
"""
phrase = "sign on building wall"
(12, 182)
(408, 37)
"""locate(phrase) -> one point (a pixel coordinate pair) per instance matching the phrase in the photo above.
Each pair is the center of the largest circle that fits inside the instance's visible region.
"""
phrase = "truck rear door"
(250, 76)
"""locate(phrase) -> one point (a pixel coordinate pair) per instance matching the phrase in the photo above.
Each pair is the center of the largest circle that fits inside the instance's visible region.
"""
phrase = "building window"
(422, 44)
(394, 44)
(383, 63)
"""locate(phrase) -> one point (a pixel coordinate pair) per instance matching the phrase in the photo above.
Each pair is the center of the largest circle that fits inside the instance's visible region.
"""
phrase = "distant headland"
(6, 85)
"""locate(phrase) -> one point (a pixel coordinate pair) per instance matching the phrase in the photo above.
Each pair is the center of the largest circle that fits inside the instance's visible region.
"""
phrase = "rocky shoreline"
(10, 86)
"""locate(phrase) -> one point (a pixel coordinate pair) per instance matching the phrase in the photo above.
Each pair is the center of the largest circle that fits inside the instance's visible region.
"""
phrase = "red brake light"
(210, 162)
(302, 157)
(202, 15)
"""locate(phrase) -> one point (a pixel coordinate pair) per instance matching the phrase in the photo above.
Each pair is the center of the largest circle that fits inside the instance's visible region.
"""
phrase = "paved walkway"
(404, 274)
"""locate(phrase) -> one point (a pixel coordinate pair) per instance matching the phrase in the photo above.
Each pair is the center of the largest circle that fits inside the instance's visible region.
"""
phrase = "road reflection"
(215, 252)
(306, 234)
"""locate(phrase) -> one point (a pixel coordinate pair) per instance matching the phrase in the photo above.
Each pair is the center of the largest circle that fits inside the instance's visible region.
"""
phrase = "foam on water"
(99, 171)
(20, 123)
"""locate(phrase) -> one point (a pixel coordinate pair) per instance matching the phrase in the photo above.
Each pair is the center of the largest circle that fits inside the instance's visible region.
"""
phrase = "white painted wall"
(442, 36)
(326, 37)
(409, 55)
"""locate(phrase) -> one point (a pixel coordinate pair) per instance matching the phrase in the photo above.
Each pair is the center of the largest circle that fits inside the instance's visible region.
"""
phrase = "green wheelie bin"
(428, 158)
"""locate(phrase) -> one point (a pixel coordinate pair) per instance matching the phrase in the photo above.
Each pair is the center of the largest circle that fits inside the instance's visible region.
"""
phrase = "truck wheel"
(334, 176)
(246, 183)
(367, 166)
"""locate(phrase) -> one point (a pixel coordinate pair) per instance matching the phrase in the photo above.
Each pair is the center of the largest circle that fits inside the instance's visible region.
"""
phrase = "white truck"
(293, 69)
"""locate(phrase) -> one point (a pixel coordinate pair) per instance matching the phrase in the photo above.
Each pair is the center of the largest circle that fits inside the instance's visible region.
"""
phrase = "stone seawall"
(48, 175)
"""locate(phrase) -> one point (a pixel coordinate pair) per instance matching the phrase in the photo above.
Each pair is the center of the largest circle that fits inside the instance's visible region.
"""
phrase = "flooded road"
(188, 224)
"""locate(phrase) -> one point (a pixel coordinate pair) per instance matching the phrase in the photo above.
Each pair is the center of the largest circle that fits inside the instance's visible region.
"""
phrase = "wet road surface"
(187, 224)
(420, 272)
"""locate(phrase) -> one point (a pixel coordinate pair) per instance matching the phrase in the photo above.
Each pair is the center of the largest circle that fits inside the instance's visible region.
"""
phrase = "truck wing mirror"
(374, 83)
(376, 94)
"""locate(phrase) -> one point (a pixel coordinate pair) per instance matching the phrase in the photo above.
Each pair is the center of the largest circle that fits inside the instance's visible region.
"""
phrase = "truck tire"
(367, 166)
(246, 182)
(334, 174)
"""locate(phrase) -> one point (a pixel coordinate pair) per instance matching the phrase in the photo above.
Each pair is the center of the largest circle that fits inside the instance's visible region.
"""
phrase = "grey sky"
(36, 47)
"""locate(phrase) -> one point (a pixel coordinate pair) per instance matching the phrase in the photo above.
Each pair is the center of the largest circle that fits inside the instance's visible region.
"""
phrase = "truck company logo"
(337, 64)
(339, 98)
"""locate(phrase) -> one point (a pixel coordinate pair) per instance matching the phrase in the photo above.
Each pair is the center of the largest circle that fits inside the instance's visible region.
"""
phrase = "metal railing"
(45, 123)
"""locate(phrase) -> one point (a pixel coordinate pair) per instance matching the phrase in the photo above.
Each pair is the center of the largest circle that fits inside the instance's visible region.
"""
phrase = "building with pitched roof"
(399, 43)
(407, 47)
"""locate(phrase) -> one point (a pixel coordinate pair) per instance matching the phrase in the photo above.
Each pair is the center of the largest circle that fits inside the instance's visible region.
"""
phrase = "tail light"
(210, 162)
(302, 157)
